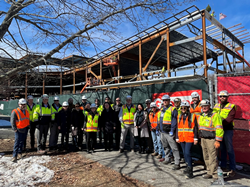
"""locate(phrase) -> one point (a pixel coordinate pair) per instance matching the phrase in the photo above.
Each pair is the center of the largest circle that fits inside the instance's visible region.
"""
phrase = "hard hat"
(165, 97)
(56, 98)
(195, 94)
(93, 105)
(84, 97)
(30, 97)
(45, 96)
(153, 104)
(223, 93)
(129, 97)
(185, 103)
(148, 101)
(22, 101)
(177, 99)
(205, 102)
(65, 103)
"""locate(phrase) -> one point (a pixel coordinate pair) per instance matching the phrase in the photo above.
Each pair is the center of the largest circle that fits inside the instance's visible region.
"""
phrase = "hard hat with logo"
(185, 103)
(153, 104)
(30, 97)
(56, 98)
(195, 94)
(165, 97)
(93, 105)
(205, 102)
(223, 93)
(65, 103)
(84, 97)
(45, 96)
(22, 101)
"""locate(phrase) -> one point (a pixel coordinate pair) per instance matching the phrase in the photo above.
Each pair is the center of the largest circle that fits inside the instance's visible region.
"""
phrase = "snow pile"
(26, 172)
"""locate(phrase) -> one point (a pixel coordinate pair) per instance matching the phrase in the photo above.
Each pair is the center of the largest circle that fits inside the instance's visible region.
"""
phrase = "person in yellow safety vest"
(177, 104)
(211, 133)
(53, 138)
(43, 115)
(166, 125)
(227, 112)
(19, 121)
(31, 108)
(126, 117)
(99, 110)
(107, 99)
(195, 106)
(91, 128)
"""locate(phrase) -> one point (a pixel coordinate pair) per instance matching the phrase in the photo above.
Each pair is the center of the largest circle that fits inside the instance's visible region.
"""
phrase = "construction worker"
(107, 99)
(64, 123)
(153, 117)
(117, 108)
(91, 128)
(32, 128)
(167, 124)
(126, 117)
(227, 112)
(19, 121)
(86, 109)
(99, 110)
(84, 102)
(187, 135)
(195, 106)
(44, 115)
(211, 133)
(53, 138)
(71, 104)
(177, 105)
(150, 148)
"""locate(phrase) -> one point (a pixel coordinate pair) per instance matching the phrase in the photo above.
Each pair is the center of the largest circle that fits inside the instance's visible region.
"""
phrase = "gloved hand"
(216, 144)
(171, 133)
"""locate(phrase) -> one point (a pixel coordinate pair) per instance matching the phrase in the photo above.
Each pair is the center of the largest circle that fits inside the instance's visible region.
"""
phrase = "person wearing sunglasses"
(211, 133)
(187, 135)
(177, 104)
(227, 112)
(195, 106)
(20, 121)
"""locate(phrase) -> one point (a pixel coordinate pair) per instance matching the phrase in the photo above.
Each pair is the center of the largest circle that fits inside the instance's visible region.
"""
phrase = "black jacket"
(56, 114)
(108, 120)
(64, 120)
(77, 118)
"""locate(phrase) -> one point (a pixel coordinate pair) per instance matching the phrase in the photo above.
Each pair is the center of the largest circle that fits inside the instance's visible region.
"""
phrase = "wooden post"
(44, 83)
(26, 85)
(118, 70)
(74, 75)
(61, 83)
(168, 52)
(140, 61)
(204, 43)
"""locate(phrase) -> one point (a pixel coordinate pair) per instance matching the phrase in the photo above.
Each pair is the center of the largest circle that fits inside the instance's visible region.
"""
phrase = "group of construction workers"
(166, 131)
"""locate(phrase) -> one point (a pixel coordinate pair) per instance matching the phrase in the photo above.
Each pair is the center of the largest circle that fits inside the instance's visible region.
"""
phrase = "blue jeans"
(186, 148)
(18, 145)
(157, 144)
(227, 148)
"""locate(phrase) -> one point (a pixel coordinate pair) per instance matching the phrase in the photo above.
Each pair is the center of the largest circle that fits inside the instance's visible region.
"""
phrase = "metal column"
(168, 52)
(44, 83)
(26, 85)
(140, 61)
(118, 68)
(74, 75)
(224, 53)
(204, 43)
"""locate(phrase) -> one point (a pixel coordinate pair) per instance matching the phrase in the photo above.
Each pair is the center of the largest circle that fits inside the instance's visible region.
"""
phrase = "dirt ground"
(72, 169)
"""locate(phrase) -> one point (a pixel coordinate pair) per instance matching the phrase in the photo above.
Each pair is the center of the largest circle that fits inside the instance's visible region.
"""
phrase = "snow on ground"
(4, 123)
(26, 172)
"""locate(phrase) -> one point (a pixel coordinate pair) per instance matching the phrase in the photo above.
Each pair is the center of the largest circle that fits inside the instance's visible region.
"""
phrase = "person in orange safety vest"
(195, 106)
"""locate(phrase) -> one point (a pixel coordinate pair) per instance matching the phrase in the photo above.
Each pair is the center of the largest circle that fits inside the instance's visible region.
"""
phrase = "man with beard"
(227, 112)
(195, 106)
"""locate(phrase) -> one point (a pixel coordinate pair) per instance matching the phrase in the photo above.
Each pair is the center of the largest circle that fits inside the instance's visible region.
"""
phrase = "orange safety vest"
(22, 120)
(186, 133)
(153, 119)
(196, 110)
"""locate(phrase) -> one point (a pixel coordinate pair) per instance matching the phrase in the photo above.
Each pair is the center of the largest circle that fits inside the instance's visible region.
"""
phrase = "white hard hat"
(185, 103)
(177, 99)
(65, 103)
(30, 97)
(84, 97)
(165, 97)
(93, 105)
(56, 98)
(129, 97)
(22, 101)
(45, 96)
(195, 94)
(205, 102)
(153, 104)
(148, 101)
(223, 93)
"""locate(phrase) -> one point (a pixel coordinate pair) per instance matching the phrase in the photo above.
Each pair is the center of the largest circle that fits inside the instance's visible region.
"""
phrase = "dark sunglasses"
(154, 107)
(222, 96)
(183, 108)
(118, 100)
(77, 106)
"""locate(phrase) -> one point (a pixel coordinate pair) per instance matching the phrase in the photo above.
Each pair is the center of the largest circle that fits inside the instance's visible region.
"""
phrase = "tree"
(71, 25)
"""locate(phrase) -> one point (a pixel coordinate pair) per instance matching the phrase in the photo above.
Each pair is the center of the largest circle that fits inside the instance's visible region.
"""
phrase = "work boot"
(186, 169)
(176, 167)
(19, 156)
(189, 173)
(154, 154)
(166, 162)
(121, 150)
(14, 159)
(232, 173)
(207, 176)
(132, 150)
(41, 151)
(159, 157)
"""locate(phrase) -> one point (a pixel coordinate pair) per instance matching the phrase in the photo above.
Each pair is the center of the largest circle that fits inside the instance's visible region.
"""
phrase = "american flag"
(222, 16)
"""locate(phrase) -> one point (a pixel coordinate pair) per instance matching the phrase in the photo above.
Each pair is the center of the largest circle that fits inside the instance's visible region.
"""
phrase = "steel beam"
(185, 40)
(204, 44)
(140, 60)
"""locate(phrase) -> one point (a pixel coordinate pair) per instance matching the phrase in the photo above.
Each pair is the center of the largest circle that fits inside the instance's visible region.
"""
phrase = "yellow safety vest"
(225, 111)
(128, 116)
(92, 124)
(31, 112)
(167, 115)
(42, 111)
(100, 109)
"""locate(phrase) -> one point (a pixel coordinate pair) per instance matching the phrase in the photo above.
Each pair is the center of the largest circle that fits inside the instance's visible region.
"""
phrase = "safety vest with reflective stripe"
(56, 111)
(100, 109)
(128, 116)
(31, 112)
(92, 124)
(210, 126)
(197, 110)
(186, 131)
(85, 113)
(225, 111)
(43, 111)
(167, 116)
(153, 119)
(22, 120)
(178, 110)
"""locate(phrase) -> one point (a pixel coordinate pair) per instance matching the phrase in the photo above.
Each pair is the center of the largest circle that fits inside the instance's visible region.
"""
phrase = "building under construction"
(191, 40)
